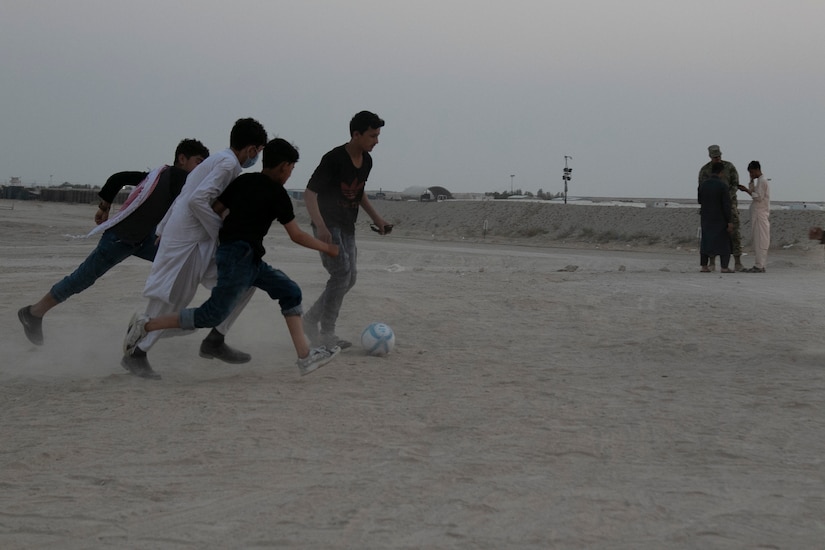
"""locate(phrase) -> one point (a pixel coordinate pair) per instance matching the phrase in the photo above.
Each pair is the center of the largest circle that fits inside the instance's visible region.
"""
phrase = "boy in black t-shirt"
(333, 196)
(248, 206)
(130, 233)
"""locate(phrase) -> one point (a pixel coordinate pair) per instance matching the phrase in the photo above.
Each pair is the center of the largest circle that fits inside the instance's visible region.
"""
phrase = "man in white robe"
(760, 212)
(188, 240)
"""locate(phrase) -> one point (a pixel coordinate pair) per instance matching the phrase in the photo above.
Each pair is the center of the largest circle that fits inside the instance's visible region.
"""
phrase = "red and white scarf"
(137, 197)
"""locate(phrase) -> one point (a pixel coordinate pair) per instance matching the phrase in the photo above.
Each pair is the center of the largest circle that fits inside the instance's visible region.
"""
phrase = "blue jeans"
(342, 274)
(238, 270)
(109, 252)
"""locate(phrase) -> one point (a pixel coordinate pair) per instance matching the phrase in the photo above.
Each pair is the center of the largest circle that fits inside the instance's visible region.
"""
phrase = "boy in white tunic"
(760, 194)
(188, 239)
(249, 206)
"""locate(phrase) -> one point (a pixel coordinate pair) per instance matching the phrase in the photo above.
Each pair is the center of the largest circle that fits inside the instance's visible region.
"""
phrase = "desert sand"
(550, 388)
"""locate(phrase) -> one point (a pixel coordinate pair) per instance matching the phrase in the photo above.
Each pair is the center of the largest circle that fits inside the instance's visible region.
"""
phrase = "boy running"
(333, 196)
(186, 255)
(248, 206)
(131, 232)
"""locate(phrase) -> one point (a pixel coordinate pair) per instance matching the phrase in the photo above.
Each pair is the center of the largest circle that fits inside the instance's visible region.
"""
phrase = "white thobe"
(188, 240)
(760, 220)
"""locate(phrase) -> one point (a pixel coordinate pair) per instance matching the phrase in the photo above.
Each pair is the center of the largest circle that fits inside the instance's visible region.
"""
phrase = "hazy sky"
(471, 90)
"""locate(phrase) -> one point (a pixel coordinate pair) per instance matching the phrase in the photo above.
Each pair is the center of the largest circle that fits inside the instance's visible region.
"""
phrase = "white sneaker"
(135, 333)
(317, 357)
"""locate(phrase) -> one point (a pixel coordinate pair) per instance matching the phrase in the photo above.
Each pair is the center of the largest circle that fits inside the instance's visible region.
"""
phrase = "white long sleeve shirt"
(761, 198)
(189, 232)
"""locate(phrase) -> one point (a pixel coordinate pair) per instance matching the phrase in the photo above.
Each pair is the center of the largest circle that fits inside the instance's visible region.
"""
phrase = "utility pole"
(567, 175)
(512, 176)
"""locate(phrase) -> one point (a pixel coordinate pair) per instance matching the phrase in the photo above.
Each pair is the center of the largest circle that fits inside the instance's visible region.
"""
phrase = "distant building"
(436, 194)
(17, 192)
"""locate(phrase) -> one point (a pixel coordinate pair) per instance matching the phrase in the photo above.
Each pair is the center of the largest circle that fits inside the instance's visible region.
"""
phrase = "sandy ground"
(538, 397)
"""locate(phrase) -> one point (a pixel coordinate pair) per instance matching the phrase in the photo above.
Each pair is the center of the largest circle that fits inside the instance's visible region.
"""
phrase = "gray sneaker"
(135, 333)
(318, 357)
(32, 326)
(139, 366)
(330, 341)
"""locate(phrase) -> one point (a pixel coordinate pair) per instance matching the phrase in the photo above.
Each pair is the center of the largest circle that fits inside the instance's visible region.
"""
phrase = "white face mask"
(250, 162)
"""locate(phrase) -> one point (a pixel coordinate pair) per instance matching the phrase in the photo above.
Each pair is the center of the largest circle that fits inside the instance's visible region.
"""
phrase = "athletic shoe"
(135, 333)
(32, 326)
(755, 269)
(330, 341)
(139, 366)
(318, 357)
(227, 354)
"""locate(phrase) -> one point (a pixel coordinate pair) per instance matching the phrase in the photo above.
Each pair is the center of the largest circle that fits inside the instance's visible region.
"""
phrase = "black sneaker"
(219, 350)
(32, 326)
(139, 366)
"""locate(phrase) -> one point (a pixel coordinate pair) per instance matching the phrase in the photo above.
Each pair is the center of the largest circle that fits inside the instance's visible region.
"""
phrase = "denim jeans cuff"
(297, 310)
(187, 319)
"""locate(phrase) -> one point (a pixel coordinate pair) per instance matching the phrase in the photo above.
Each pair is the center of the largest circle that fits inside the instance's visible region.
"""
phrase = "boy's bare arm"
(301, 237)
(371, 212)
(311, 201)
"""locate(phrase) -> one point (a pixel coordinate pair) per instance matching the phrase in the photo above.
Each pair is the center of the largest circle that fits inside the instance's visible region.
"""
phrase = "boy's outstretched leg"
(308, 359)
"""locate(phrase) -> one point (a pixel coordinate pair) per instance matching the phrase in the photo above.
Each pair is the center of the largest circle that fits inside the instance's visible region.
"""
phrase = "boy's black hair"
(717, 168)
(190, 148)
(754, 165)
(246, 132)
(277, 151)
(363, 121)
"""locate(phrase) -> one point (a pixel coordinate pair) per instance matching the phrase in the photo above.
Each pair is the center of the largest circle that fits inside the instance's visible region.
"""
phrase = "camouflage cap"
(714, 151)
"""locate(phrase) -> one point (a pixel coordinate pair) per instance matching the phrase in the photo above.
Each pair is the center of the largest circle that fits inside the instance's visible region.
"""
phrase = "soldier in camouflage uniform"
(730, 176)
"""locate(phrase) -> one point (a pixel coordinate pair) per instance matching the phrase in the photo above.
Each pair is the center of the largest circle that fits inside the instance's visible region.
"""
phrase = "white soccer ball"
(378, 339)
